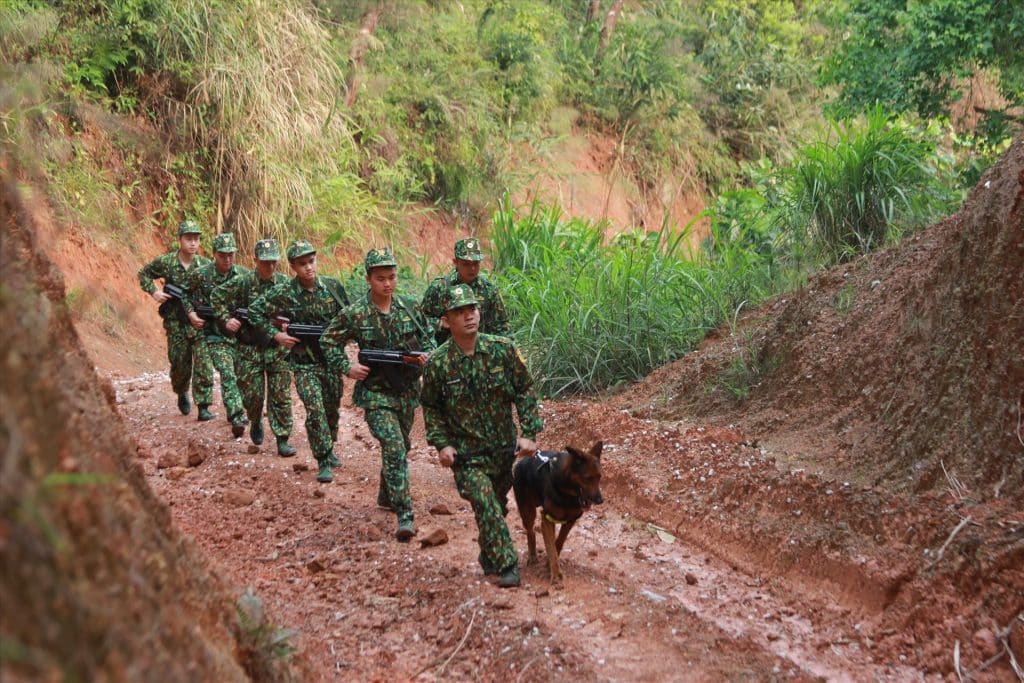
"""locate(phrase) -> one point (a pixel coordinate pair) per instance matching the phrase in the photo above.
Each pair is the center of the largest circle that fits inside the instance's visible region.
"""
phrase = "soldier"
(493, 317)
(263, 374)
(386, 321)
(469, 386)
(188, 363)
(308, 299)
(218, 347)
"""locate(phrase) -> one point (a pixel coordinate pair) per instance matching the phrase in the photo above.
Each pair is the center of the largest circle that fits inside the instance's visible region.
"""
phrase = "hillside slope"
(97, 583)
(891, 368)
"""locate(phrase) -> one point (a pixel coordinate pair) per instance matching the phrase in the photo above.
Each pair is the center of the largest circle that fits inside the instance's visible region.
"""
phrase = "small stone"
(252, 449)
(440, 509)
(435, 537)
(168, 460)
(772, 636)
(238, 535)
(196, 453)
(314, 566)
(239, 497)
(690, 579)
(501, 603)
(318, 493)
(300, 467)
(175, 473)
(542, 593)
(986, 642)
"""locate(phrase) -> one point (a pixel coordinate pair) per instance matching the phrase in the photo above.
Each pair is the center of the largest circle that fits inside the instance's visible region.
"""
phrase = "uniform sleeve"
(424, 329)
(262, 308)
(527, 404)
(334, 338)
(432, 400)
(154, 270)
(432, 306)
(193, 285)
(222, 299)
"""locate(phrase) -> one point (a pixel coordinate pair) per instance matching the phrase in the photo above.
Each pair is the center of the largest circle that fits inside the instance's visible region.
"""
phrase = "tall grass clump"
(262, 89)
(592, 313)
(864, 185)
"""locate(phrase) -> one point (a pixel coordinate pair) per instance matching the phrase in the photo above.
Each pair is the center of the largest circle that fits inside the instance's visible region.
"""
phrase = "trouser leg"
(391, 429)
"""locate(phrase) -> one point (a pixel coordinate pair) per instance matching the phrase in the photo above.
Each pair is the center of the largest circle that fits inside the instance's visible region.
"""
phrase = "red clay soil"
(97, 582)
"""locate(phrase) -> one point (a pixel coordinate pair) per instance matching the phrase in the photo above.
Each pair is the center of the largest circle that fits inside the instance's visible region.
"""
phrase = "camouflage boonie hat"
(468, 249)
(300, 248)
(225, 242)
(268, 250)
(459, 296)
(189, 227)
(379, 257)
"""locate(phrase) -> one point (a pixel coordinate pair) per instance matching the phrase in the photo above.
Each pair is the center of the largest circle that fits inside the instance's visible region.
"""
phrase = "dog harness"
(561, 495)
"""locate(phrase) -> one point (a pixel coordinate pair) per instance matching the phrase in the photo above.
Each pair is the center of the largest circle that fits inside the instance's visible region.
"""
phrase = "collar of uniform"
(298, 288)
(483, 347)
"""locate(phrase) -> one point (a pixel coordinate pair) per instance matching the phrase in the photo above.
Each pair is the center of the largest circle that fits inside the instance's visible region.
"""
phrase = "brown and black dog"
(563, 485)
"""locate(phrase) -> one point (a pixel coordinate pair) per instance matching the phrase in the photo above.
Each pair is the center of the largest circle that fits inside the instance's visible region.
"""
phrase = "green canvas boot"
(333, 461)
(284, 449)
(256, 432)
(382, 498)
(184, 405)
(238, 423)
(324, 476)
(510, 577)
(204, 414)
(405, 531)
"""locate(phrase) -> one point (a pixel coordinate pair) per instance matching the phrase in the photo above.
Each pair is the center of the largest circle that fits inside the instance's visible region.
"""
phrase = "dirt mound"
(904, 367)
(97, 584)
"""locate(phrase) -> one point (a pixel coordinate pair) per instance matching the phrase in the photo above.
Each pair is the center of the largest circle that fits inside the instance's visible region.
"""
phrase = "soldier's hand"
(160, 296)
(358, 371)
(196, 321)
(525, 447)
(446, 456)
(233, 325)
(285, 340)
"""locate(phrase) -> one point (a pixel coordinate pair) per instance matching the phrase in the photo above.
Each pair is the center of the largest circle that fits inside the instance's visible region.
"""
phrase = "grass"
(593, 313)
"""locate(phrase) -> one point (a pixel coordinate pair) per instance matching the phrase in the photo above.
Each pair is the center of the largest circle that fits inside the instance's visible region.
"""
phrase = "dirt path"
(637, 604)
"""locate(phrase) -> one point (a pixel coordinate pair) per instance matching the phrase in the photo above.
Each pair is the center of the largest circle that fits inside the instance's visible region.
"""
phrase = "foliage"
(919, 56)
(265, 647)
(592, 314)
(263, 83)
(864, 185)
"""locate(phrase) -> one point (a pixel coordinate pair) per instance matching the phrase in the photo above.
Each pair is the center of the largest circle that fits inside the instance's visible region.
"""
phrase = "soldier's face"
(266, 269)
(463, 321)
(189, 244)
(224, 260)
(467, 270)
(382, 281)
(305, 269)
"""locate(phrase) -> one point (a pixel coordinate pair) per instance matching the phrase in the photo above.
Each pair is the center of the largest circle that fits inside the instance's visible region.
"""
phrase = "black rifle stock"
(308, 335)
(173, 305)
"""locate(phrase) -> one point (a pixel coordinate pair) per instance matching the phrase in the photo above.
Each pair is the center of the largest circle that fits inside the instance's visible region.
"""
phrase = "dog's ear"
(595, 450)
(573, 455)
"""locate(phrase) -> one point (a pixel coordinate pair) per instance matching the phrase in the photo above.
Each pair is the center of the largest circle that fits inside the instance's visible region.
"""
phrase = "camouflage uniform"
(219, 347)
(493, 316)
(389, 412)
(263, 372)
(319, 387)
(189, 363)
(467, 403)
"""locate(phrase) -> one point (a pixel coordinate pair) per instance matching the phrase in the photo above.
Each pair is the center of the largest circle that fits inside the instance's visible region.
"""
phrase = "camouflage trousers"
(190, 364)
(320, 390)
(222, 357)
(486, 485)
(264, 376)
(391, 427)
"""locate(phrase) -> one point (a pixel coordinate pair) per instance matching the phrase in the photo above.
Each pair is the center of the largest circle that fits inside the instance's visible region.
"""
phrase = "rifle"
(173, 305)
(398, 368)
(308, 335)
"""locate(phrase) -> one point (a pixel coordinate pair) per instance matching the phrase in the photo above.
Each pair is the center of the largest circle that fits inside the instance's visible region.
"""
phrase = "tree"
(917, 56)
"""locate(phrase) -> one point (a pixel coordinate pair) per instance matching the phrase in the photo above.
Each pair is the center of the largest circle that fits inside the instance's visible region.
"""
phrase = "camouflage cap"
(468, 249)
(268, 250)
(300, 248)
(459, 296)
(189, 227)
(379, 257)
(225, 242)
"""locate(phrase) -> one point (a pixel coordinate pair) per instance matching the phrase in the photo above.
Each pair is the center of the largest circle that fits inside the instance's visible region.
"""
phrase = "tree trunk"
(355, 56)
(593, 9)
(609, 22)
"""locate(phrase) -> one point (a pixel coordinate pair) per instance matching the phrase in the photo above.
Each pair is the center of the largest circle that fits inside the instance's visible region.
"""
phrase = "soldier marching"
(260, 329)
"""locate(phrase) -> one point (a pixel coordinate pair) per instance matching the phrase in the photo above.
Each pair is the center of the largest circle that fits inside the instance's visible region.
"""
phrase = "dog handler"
(469, 386)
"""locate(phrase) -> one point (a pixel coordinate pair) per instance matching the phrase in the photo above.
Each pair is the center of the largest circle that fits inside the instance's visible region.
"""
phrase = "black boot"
(184, 405)
(256, 432)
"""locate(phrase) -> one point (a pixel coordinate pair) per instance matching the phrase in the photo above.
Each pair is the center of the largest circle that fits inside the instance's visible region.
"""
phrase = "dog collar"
(553, 520)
